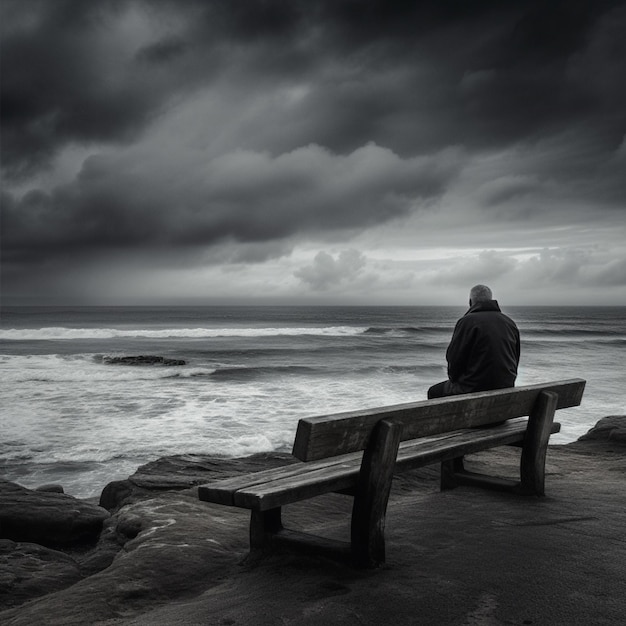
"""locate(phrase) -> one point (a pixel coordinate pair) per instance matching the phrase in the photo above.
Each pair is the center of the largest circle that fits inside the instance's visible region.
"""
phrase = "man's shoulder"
(486, 317)
(509, 320)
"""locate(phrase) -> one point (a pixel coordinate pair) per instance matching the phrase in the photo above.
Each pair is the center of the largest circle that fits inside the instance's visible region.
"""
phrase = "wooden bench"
(358, 452)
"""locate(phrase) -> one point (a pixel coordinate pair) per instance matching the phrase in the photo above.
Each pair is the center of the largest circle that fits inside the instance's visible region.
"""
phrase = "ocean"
(71, 414)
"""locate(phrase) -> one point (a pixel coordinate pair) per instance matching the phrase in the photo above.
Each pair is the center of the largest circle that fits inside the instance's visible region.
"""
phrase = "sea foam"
(59, 333)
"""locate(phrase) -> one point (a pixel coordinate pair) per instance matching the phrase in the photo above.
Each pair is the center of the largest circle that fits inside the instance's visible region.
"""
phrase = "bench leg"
(264, 524)
(372, 494)
(449, 471)
(533, 460)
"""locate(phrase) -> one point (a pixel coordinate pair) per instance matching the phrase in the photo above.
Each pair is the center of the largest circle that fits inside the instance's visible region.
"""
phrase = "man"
(484, 351)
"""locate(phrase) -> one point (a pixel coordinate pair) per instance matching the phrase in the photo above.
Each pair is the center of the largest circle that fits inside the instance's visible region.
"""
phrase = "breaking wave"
(59, 333)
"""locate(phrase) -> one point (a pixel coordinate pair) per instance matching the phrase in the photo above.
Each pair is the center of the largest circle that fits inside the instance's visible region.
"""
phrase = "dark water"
(68, 416)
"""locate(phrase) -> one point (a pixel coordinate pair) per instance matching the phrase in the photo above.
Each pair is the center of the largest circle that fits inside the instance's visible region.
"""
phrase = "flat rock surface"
(466, 556)
(28, 570)
(147, 359)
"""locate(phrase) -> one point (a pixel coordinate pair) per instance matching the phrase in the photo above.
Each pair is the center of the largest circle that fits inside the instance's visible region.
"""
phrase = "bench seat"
(280, 486)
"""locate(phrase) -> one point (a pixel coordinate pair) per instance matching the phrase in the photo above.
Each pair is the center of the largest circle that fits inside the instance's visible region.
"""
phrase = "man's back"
(485, 349)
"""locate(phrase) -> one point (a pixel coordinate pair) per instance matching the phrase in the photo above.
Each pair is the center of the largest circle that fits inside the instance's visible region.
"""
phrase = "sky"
(313, 151)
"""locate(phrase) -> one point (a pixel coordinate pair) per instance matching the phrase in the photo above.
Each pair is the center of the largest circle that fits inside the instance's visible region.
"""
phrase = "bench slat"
(343, 433)
(412, 455)
(291, 483)
(223, 491)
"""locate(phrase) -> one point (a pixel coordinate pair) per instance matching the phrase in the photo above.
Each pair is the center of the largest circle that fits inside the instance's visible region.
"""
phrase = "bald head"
(480, 293)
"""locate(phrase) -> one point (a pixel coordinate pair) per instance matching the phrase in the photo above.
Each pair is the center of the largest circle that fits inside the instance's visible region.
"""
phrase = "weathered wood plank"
(222, 491)
(283, 489)
(411, 455)
(342, 433)
(301, 487)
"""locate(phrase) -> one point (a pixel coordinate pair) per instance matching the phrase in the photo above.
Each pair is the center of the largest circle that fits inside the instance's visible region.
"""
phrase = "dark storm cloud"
(495, 71)
(377, 105)
(163, 51)
(64, 81)
(252, 197)
(415, 76)
(52, 91)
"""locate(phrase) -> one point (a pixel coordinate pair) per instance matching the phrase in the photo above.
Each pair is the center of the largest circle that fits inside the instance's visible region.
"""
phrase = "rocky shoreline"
(151, 543)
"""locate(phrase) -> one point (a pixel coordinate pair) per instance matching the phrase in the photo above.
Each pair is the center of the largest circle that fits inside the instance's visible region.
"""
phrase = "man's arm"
(457, 351)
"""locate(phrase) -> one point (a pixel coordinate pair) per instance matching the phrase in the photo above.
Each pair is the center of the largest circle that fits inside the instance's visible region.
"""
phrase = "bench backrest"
(330, 435)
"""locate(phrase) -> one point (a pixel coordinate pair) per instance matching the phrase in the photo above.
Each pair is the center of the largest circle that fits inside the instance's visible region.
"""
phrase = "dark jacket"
(485, 349)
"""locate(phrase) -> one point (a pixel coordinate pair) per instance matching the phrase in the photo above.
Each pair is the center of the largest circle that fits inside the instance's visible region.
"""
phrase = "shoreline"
(461, 557)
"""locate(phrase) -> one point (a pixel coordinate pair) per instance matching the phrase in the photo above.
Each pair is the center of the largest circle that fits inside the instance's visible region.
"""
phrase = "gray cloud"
(327, 271)
(242, 196)
(100, 71)
(251, 125)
